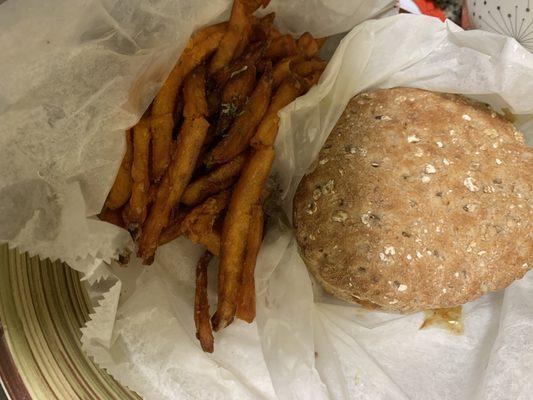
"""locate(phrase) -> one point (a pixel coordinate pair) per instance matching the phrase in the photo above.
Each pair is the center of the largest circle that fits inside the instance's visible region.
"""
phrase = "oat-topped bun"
(418, 200)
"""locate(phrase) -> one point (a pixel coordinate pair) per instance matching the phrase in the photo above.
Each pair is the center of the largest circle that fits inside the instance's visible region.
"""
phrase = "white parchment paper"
(73, 75)
(87, 70)
(305, 345)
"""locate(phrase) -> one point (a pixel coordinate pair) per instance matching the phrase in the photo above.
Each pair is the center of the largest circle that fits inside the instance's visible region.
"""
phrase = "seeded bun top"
(418, 200)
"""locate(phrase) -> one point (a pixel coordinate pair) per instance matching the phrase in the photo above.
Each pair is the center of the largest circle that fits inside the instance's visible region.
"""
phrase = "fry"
(213, 101)
(198, 223)
(211, 240)
(204, 333)
(251, 57)
(113, 216)
(266, 20)
(162, 127)
(137, 207)
(219, 179)
(238, 26)
(178, 175)
(178, 118)
(244, 39)
(283, 67)
(266, 133)
(306, 68)
(246, 297)
(234, 96)
(203, 216)
(238, 33)
(152, 193)
(308, 45)
(244, 125)
(239, 86)
(253, 5)
(263, 29)
(235, 229)
(121, 190)
(204, 33)
(320, 41)
(165, 101)
(313, 79)
(281, 47)
(173, 229)
(194, 94)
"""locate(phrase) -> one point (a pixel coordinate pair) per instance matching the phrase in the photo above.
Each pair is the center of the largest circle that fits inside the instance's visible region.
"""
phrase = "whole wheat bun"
(418, 200)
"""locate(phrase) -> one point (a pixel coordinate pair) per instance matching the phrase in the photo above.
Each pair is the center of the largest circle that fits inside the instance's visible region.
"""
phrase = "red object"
(465, 20)
(428, 8)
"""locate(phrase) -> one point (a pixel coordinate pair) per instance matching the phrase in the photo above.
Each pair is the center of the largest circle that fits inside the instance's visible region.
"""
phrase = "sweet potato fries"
(223, 97)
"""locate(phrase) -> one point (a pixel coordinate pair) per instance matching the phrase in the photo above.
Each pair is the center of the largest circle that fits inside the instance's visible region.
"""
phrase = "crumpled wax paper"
(304, 344)
(84, 71)
(74, 75)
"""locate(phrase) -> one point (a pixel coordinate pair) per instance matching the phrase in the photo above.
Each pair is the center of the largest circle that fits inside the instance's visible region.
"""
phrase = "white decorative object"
(509, 17)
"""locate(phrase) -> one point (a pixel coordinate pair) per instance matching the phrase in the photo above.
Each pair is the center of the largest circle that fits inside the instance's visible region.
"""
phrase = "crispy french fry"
(165, 101)
(244, 125)
(181, 176)
(308, 45)
(113, 216)
(170, 233)
(173, 229)
(244, 39)
(152, 194)
(320, 41)
(246, 297)
(251, 57)
(234, 96)
(178, 118)
(266, 20)
(215, 181)
(281, 47)
(263, 29)
(238, 26)
(266, 133)
(283, 67)
(162, 127)
(237, 35)
(235, 229)
(254, 5)
(121, 190)
(313, 79)
(239, 86)
(213, 101)
(195, 104)
(204, 332)
(198, 224)
(306, 68)
(204, 33)
(177, 177)
(211, 240)
(138, 204)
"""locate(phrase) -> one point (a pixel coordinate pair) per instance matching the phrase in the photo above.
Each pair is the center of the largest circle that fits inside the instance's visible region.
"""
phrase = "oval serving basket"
(43, 305)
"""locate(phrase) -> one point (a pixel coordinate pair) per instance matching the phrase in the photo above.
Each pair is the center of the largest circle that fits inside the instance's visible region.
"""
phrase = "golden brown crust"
(418, 200)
